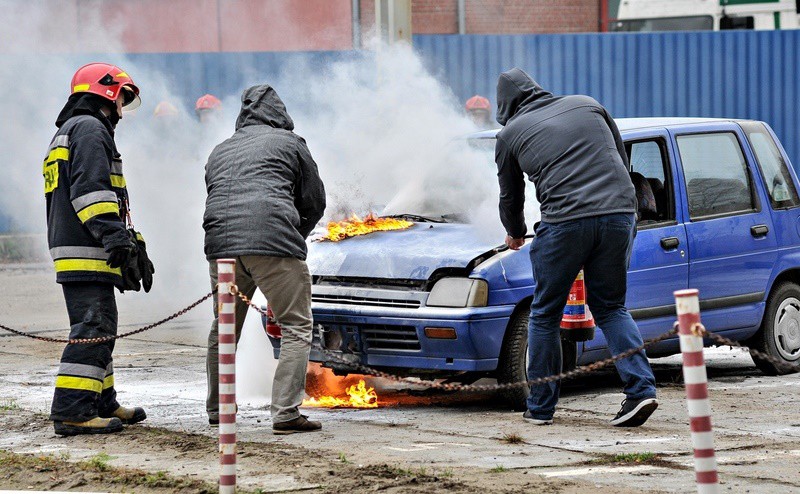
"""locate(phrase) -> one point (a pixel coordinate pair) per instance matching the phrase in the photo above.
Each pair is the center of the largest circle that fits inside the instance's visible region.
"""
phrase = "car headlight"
(459, 292)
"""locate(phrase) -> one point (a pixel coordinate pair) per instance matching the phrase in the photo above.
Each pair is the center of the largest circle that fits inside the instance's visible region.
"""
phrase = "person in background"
(165, 110)
(264, 198)
(479, 111)
(92, 246)
(571, 149)
(208, 108)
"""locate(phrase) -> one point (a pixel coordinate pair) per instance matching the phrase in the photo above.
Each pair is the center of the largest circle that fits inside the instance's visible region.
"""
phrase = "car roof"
(631, 124)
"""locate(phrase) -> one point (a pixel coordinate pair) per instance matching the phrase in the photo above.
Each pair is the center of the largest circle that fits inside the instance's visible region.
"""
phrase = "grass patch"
(512, 438)
(499, 469)
(343, 458)
(98, 462)
(646, 458)
(8, 405)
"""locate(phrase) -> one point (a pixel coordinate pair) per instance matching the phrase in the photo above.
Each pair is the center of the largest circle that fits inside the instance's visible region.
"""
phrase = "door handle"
(758, 231)
(670, 243)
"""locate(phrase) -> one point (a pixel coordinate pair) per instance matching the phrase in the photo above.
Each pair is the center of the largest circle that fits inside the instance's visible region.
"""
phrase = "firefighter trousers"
(286, 283)
(85, 381)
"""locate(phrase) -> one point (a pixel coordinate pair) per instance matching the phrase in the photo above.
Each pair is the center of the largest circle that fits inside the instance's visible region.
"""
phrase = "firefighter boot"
(96, 425)
(129, 416)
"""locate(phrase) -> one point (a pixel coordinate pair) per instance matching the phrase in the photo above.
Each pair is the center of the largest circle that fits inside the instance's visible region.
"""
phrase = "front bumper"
(387, 337)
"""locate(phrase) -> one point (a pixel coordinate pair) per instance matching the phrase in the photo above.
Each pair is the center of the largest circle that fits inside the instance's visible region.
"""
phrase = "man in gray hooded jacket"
(571, 149)
(264, 198)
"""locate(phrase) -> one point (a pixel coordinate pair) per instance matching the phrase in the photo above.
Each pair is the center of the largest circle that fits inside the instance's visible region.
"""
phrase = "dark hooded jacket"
(264, 191)
(570, 148)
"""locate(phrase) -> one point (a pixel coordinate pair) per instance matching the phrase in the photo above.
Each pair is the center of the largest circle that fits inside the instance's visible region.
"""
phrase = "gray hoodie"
(264, 191)
(570, 148)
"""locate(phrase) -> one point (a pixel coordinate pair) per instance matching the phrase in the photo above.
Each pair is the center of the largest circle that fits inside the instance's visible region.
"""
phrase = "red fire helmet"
(165, 109)
(207, 102)
(107, 81)
(478, 103)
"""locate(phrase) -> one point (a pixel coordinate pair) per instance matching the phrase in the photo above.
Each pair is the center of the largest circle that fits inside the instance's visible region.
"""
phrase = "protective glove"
(146, 268)
(119, 256)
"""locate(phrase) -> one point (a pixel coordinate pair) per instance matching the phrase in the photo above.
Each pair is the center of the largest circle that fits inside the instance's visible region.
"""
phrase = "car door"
(732, 243)
(659, 260)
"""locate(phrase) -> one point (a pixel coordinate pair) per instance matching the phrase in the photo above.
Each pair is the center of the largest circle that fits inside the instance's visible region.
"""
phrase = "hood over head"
(262, 106)
(87, 104)
(516, 90)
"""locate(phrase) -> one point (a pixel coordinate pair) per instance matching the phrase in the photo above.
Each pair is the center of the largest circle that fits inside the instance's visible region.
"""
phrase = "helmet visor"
(130, 100)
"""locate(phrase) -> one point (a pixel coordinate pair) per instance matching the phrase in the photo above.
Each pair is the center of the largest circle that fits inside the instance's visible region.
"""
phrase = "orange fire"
(358, 396)
(354, 226)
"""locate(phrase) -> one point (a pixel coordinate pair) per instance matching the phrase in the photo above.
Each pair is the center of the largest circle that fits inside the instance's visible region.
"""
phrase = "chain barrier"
(105, 339)
(780, 364)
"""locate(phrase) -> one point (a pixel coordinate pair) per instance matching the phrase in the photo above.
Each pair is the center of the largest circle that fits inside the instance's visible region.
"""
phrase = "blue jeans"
(602, 246)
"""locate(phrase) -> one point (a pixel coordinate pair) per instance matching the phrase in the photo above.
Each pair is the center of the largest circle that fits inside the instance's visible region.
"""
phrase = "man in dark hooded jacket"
(264, 198)
(571, 149)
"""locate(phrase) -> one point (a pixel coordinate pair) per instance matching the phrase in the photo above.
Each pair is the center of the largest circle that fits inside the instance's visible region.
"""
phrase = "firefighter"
(208, 108)
(166, 110)
(91, 245)
(479, 111)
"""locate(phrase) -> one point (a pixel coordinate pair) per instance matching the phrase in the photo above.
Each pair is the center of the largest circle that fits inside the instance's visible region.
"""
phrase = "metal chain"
(105, 339)
(578, 372)
(779, 363)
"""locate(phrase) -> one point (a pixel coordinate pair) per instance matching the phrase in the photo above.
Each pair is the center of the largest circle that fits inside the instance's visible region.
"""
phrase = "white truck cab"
(705, 15)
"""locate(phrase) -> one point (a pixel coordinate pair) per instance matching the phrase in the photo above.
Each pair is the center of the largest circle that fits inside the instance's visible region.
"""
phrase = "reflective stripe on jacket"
(86, 201)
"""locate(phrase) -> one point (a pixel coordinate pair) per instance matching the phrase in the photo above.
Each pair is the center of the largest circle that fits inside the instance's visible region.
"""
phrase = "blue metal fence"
(739, 74)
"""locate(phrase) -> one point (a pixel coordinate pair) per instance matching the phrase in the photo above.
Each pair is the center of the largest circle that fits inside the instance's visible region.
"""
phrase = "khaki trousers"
(286, 283)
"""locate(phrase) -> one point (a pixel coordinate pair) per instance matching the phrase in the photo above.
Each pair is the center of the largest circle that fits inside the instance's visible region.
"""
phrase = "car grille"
(355, 300)
(386, 337)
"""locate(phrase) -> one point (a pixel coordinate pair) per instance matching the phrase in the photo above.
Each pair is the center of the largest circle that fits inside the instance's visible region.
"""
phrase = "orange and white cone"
(577, 323)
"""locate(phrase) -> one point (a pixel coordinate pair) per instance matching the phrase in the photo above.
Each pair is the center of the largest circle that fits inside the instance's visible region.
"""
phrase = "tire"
(779, 336)
(512, 365)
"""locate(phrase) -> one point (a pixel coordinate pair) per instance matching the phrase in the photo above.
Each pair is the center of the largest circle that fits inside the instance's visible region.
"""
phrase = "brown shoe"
(300, 424)
(129, 416)
(96, 425)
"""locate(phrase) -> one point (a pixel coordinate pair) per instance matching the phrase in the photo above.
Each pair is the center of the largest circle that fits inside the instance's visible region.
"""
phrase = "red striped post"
(696, 381)
(227, 375)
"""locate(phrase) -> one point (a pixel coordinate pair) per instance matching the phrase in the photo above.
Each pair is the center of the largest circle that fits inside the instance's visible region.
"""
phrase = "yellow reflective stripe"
(81, 87)
(63, 265)
(90, 212)
(58, 153)
(50, 173)
(123, 74)
(108, 382)
(82, 383)
(118, 181)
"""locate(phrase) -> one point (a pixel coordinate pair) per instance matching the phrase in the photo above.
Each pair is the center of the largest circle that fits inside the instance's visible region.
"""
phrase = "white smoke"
(387, 135)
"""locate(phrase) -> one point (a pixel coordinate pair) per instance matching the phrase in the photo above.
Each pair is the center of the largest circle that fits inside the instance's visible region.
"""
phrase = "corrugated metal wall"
(740, 74)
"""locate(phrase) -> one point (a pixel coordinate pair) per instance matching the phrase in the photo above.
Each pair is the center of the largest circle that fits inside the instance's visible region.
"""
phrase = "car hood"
(412, 254)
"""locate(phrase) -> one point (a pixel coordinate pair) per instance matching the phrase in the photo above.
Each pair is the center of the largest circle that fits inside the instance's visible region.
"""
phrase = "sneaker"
(129, 416)
(528, 416)
(96, 425)
(300, 424)
(635, 412)
(213, 422)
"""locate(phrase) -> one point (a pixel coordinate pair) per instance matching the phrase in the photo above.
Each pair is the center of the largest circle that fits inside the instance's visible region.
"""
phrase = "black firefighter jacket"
(570, 148)
(86, 200)
(264, 191)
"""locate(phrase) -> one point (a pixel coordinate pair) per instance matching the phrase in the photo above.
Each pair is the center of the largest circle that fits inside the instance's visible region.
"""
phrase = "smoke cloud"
(387, 135)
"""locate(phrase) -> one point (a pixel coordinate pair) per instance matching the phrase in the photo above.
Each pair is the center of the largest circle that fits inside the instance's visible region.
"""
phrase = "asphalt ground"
(463, 436)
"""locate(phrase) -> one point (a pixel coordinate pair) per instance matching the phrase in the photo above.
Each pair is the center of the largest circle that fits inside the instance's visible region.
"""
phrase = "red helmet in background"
(207, 102)
(165, 109)
(478, 103)
(107, 81)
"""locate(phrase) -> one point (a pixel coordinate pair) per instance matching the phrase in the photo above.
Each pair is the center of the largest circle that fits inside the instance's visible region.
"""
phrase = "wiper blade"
(417, 217)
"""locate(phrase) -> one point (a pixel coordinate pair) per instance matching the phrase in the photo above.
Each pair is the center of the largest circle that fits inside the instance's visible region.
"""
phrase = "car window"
(717, 179)
(651, 176)
(777, 179)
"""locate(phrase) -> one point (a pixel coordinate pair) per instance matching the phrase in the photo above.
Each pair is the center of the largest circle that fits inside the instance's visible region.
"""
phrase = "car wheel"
(779, 336)
(513, 363)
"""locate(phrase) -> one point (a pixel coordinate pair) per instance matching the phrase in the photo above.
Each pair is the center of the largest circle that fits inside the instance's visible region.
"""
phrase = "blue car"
(438, 301)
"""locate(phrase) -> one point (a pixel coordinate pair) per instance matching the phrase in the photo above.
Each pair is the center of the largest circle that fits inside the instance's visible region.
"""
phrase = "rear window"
(717, 179)
(777, 179)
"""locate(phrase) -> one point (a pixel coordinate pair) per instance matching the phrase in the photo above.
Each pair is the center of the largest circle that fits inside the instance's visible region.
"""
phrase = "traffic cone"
(577, 324)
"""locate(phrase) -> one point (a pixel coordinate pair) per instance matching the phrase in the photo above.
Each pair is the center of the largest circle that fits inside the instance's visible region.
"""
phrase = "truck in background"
(705, 15)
